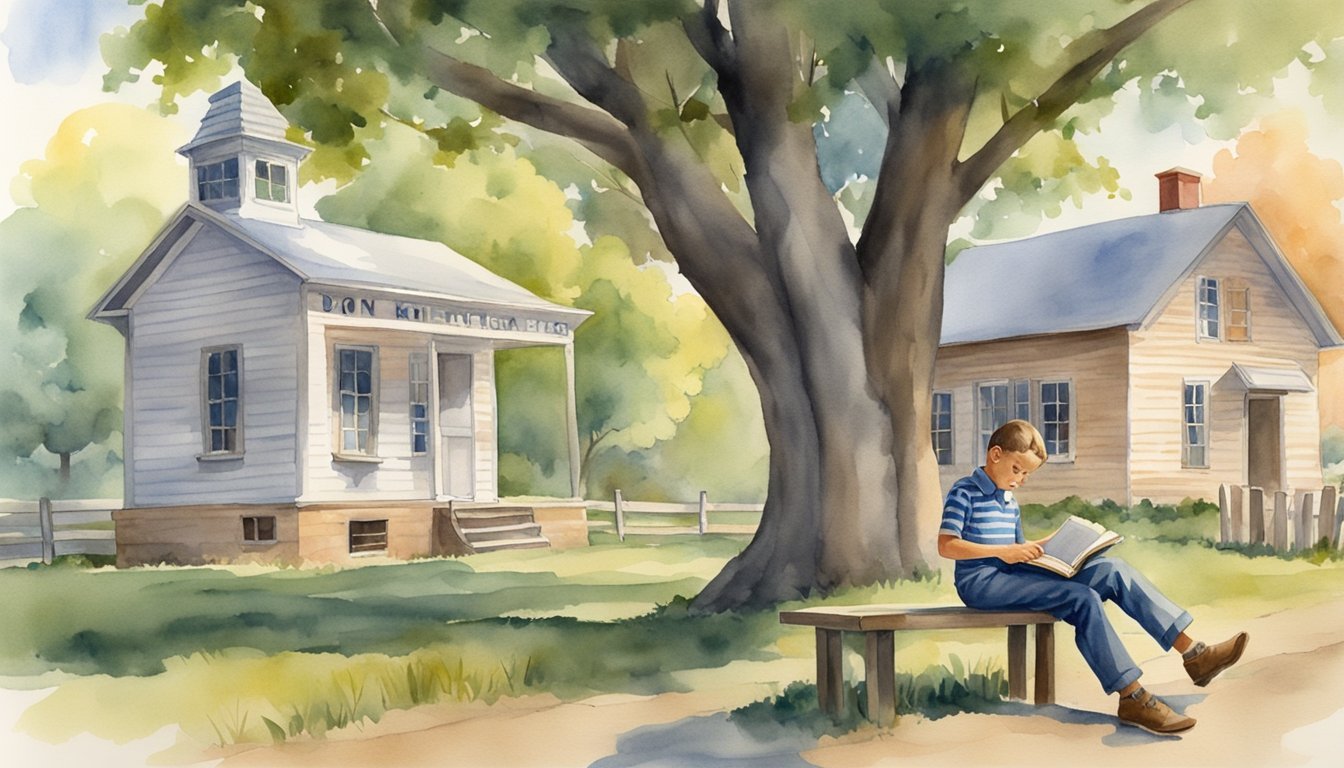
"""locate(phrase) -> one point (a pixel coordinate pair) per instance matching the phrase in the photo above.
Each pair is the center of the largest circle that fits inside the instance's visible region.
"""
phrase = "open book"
(1075, 541)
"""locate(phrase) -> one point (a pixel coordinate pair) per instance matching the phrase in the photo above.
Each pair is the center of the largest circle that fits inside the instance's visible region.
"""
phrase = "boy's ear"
(994, 453)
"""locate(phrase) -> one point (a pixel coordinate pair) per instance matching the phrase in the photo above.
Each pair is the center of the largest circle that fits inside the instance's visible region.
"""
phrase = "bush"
(1192, 520)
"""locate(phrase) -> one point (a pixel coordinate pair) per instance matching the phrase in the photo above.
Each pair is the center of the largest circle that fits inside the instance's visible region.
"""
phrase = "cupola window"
(272, 182)
(217, 181)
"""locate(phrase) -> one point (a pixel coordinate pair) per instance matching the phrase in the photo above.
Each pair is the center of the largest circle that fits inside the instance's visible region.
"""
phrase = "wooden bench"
(879, 623)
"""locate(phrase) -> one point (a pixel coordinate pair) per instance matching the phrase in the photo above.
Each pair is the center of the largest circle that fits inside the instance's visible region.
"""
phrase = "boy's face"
(1009, 469)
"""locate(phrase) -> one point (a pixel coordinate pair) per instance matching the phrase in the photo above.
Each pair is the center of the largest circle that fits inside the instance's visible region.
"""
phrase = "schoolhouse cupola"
(240, 159)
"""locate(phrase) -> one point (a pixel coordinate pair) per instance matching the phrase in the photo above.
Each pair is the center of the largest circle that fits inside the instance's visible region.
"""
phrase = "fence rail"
(702, 509)
(32, 531)
(1282, 519)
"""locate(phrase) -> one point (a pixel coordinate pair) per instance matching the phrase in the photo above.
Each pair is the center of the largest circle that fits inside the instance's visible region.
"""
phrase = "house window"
(1000, 402)
(1238, 312)
(356, 395)
(222, 368)
(217, 181)
(368, 536)
(419, 404)
(1195, 432)
(271, 183)
(1056, 417)
(1207, 303)
(259, 528)
(941, 427)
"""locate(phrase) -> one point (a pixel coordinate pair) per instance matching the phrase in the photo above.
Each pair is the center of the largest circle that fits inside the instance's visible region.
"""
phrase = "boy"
(982, 531)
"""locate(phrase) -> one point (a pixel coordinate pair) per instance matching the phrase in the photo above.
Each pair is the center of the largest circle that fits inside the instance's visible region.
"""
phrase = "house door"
(1264, 444)
(456, 432)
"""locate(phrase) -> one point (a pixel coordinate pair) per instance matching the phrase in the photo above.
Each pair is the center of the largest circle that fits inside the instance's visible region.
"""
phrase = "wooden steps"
(488, 529)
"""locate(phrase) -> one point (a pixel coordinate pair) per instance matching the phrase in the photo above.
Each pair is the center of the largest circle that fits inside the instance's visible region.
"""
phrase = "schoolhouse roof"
(334, 255)
(1114, 274)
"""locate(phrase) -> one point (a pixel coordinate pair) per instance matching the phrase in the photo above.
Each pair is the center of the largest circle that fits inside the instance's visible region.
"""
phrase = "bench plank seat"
(879, 623)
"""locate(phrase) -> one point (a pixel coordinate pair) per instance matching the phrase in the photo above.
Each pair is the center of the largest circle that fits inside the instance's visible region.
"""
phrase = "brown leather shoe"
(1206, 664)
(1146, 711)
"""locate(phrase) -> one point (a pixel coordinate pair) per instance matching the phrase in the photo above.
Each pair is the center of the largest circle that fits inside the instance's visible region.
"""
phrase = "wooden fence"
(32, 531)
(1281, 519)
(660, 516)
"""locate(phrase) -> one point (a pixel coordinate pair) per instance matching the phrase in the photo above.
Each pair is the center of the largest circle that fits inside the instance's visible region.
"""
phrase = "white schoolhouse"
(303, 391)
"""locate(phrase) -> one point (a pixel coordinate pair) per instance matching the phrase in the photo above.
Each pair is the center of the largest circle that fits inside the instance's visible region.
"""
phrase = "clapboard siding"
(1095, 363)
(217, 292)
(1166, 354)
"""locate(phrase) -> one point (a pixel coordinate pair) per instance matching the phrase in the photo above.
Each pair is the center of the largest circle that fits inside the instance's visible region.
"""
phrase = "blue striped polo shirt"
(978, 511)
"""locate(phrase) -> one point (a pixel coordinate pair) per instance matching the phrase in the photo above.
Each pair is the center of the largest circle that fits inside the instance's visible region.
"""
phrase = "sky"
(51, 67)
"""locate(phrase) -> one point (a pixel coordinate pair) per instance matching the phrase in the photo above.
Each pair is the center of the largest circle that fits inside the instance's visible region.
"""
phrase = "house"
(1159, 355)
(302, 391)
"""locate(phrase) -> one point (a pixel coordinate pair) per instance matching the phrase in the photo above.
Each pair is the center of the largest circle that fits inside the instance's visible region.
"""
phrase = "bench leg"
(1045, 664)
(879, 662)
(830, 674)
(1017, 661)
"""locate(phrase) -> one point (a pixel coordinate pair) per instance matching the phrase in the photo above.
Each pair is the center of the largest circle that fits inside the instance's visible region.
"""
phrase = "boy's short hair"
(1018, 436)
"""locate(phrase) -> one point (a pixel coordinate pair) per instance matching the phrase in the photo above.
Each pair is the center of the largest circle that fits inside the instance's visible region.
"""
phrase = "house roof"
(1115, 274)
(240, 109)
(332, 254)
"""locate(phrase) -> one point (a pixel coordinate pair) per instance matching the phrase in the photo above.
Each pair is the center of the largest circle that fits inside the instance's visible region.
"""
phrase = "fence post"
(1256, 516)
(704, 512)
(1280, 521)
(1238, 497)
(48, 530)
(620, 517)
(1304, 520)
(1224, 513)
(1328, 524)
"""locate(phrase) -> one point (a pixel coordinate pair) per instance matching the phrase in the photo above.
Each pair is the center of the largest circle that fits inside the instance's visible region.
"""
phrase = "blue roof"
(1098, 276)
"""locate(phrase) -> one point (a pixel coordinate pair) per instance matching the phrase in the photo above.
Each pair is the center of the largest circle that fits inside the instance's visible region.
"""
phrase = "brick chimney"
(1177, 189)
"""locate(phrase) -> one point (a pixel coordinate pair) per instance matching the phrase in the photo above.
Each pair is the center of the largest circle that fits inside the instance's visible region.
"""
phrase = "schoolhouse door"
(456, 430)
(1264, 442)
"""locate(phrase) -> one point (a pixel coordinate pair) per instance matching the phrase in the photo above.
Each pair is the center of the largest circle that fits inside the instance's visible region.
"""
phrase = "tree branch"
(600, 133)
(1091, 52)
(710, 38)
(582, 64)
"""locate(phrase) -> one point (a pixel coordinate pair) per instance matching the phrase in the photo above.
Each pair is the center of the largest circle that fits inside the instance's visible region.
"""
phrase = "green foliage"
(103, 188)
(1192, 520)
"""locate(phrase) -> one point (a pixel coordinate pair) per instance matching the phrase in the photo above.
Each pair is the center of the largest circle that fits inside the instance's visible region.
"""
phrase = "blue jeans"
(995, 585)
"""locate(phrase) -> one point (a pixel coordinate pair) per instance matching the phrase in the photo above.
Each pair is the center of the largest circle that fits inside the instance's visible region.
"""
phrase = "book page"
(1072, 539)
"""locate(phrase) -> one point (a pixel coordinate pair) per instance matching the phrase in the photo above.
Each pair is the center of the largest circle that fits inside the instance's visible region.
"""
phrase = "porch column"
(571, 421)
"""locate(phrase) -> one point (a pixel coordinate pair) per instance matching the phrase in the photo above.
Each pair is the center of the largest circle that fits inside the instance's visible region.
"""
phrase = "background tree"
(84, 217)
(712, 114)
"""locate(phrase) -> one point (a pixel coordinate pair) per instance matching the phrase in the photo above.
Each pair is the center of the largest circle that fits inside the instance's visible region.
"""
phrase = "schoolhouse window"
(1194, 435)
(368, 536)
(1208, 303)
(419, 404)
(356, 396)
(259, 528)
(1056, 417)
(1238, 311)
(271, 182)
(223, 399)
(217, 181)
(941, 427)
(1000, 402)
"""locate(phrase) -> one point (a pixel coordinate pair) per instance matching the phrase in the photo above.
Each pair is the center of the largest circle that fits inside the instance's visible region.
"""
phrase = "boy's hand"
(1020, 553)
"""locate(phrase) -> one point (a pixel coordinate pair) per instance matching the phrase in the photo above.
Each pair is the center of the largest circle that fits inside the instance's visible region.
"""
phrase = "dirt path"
(1283, 705)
